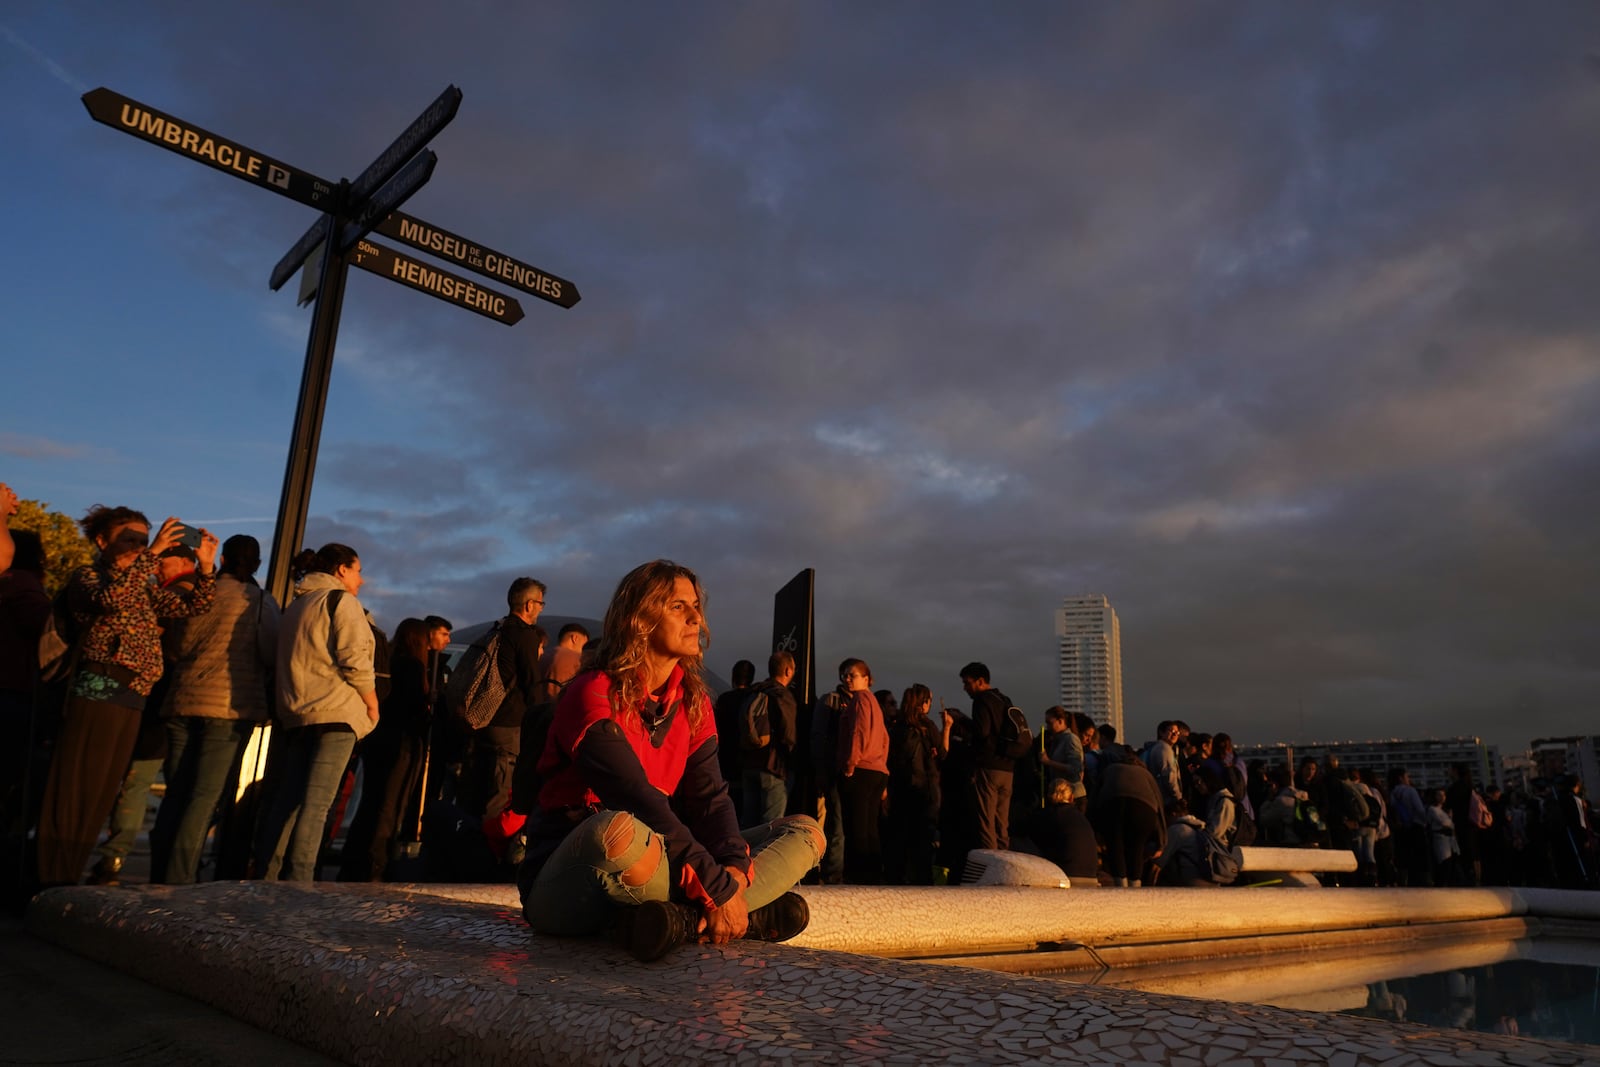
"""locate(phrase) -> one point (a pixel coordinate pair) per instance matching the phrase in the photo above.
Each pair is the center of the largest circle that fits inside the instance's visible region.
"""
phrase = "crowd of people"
(905, 800)
(163, 656)
(1461, 834)
(607, 752)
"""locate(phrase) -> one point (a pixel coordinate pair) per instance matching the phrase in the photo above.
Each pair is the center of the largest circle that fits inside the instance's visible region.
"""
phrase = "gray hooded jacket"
(324, 660)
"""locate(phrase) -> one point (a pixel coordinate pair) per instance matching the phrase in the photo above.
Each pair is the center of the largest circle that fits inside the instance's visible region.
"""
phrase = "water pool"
(1546, 986)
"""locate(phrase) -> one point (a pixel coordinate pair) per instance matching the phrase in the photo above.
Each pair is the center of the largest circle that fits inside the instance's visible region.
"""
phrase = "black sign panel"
(792, 631)
(434, 118)
(453, 288)
(396, 191)
(190, 141)
(475, 257)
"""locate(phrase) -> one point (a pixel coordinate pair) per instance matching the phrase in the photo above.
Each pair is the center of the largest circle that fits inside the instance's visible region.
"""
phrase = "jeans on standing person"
(580, 886)
(831, 870)
(765, 797)
(201, 755)
(291, 835)
(130, 810)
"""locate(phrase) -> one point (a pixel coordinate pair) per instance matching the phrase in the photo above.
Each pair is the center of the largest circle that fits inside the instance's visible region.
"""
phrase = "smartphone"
(188, 542)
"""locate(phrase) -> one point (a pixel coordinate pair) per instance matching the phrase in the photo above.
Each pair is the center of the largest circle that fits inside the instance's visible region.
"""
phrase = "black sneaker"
(780, 920)
(654, 928)
(106, 872)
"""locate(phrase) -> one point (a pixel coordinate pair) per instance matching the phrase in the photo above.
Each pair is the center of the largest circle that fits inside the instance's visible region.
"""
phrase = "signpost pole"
(290, 531)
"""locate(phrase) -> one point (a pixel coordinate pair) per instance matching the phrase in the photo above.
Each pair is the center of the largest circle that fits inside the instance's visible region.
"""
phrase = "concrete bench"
(1285, 866)
(1293, 866)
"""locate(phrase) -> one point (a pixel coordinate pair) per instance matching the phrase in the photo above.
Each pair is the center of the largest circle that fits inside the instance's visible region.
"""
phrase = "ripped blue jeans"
(612, 860)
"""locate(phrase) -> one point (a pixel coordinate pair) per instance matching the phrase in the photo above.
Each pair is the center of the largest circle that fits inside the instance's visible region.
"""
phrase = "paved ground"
(58, 1008)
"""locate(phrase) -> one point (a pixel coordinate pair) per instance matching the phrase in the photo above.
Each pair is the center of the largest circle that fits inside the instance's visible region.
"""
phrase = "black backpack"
(755, 721)
(477, 688)
(1015, 740)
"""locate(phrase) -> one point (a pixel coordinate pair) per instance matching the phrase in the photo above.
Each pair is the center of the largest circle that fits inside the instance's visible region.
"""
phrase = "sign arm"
(224, 154)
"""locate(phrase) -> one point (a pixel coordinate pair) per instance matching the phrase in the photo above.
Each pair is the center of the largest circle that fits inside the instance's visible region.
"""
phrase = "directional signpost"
(452, 288)
(351, 210)
(485, 261)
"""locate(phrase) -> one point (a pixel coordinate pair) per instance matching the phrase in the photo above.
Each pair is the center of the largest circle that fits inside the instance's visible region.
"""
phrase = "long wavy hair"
(635, 611)
(411, 641)
(916, 702)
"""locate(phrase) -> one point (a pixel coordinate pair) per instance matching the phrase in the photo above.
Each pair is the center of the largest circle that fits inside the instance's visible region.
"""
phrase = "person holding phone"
(117, 607)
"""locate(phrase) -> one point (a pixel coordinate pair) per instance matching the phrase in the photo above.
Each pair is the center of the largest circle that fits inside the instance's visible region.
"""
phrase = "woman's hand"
(731, 918)
(166, 537)
(371, 700)
(207, 552)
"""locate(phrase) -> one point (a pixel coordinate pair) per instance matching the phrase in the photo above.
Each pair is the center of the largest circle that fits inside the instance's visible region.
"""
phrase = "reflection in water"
(1540, 987)
(1549, 1000)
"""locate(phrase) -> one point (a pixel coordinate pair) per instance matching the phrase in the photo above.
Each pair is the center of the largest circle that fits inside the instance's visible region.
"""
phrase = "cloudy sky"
(1279, 324)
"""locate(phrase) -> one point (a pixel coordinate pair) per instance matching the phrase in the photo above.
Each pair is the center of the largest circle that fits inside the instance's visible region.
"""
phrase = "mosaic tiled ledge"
(913, 922)
(396, 977)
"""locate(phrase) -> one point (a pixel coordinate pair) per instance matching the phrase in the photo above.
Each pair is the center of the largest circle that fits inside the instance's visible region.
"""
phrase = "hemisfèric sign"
(435, 281)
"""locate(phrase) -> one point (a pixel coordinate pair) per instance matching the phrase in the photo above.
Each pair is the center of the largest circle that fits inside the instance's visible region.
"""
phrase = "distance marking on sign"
(452, 288)
(202, 146)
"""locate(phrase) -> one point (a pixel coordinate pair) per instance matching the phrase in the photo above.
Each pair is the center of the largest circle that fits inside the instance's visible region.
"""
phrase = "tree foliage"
(65, 547)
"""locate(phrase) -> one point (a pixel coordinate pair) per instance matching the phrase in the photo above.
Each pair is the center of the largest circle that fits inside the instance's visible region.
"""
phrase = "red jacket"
(863, 738)
(670, 782)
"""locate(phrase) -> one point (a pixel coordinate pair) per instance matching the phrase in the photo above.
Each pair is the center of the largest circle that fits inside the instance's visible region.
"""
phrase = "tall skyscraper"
(1091, 659)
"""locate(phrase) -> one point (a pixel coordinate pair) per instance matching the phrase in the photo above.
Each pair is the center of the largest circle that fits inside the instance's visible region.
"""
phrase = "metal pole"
(293, 505)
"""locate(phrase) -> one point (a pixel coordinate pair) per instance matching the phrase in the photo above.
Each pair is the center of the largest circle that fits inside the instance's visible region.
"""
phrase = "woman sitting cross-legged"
(634, 831)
